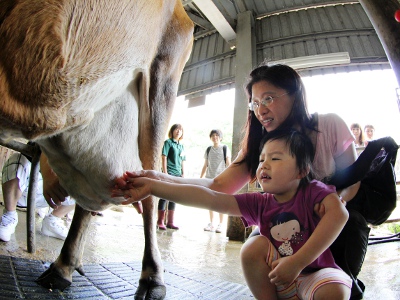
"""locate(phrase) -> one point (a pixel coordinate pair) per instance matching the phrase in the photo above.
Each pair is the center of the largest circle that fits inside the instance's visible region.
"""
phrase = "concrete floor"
(118, 237)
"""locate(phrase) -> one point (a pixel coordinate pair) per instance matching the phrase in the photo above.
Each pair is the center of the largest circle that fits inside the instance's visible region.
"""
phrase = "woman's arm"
(348, 157)
(142, 187)
(230, 181)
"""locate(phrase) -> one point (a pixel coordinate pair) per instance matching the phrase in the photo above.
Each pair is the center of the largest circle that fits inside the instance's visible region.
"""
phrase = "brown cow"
(93, 83)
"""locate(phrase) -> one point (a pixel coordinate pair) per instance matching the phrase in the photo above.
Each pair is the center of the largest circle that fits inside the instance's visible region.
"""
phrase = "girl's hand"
(284, 271)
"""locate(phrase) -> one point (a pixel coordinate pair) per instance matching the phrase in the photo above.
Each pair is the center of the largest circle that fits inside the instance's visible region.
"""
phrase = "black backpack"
(224, 148)
(377, 196)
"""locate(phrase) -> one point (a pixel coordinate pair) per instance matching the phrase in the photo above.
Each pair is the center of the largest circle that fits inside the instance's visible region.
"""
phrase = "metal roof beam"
(200, 21)
(211, 11)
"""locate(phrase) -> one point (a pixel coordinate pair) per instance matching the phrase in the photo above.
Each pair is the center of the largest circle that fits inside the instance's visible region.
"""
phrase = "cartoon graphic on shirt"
(286, 228)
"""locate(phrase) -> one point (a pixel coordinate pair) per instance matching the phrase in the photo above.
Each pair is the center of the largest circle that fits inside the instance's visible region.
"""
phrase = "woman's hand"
(319, 208)
(53, 192)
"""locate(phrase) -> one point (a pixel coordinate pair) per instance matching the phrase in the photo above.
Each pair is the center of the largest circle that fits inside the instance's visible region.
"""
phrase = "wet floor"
(118, 237)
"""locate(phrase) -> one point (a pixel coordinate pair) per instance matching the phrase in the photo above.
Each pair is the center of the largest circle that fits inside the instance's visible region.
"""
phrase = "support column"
(245, 59)
(381, 15)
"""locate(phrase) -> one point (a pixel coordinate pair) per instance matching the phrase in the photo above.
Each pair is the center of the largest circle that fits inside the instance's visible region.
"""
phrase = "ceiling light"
(320, 60)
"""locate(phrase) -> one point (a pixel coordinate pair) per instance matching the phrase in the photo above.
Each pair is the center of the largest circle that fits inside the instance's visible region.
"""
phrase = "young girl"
(291, 257)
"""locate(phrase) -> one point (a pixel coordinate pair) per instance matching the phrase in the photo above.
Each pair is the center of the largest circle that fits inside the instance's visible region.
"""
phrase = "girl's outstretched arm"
(230, 181)
(139, 188)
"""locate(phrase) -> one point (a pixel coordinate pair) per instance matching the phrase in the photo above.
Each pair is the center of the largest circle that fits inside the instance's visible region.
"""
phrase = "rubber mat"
(111, 281)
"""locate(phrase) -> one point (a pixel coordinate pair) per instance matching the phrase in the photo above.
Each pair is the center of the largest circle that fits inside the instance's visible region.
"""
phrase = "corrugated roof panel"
(314, 18)
(311, 47)
(203, 53)
(304, 22)
(374, 46)
(357, 15)
(310, 21)
(204, 76)
(194, 56)
(291, 32)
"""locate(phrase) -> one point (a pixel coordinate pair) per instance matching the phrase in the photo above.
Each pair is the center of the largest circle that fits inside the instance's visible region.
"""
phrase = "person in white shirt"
(216, 158)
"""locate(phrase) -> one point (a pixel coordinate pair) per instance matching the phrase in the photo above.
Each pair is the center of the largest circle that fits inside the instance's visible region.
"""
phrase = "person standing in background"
(216, 158)
(358, 134)
(369, 133)
(15, 185)
(173, 158)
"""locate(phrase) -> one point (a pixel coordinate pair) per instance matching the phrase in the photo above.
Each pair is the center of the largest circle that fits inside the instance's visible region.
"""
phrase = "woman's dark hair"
(300, 147)
(286, 78)
(171, 131)
(217, 132)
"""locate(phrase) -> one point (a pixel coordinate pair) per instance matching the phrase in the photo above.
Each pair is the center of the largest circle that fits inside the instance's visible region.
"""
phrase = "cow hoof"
(52, 280)
(149, 290)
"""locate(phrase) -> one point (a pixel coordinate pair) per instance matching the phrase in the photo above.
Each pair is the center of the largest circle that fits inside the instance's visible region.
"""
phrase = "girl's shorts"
(306, 284)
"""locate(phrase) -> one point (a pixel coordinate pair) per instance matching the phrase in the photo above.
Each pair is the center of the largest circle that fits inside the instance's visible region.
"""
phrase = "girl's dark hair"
(171, 131)
(283, 217)
(299, 146)
(217, 132)
(286, 78)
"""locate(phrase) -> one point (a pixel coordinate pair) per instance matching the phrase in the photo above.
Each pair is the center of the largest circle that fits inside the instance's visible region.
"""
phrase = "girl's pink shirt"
(333, 138)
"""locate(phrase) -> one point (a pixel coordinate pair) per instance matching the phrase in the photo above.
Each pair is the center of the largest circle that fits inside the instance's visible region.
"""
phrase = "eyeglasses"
(267, 101)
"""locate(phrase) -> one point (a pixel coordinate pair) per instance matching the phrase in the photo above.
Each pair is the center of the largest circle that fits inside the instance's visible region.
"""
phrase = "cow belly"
(87, 159)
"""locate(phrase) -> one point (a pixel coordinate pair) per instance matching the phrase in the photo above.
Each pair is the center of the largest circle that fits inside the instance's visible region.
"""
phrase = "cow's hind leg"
(59, 275)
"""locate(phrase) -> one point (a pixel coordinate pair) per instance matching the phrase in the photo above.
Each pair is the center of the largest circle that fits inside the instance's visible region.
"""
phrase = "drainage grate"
(111, 281)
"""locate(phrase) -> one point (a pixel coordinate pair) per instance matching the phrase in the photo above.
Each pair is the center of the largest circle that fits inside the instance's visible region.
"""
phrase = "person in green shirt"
(173, 158)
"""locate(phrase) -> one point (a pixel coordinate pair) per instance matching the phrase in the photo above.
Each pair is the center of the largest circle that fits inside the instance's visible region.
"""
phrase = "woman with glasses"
(277, 100)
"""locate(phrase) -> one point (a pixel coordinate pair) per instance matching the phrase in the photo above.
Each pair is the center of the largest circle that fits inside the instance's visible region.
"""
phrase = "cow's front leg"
(59, 275)
(151, 283)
